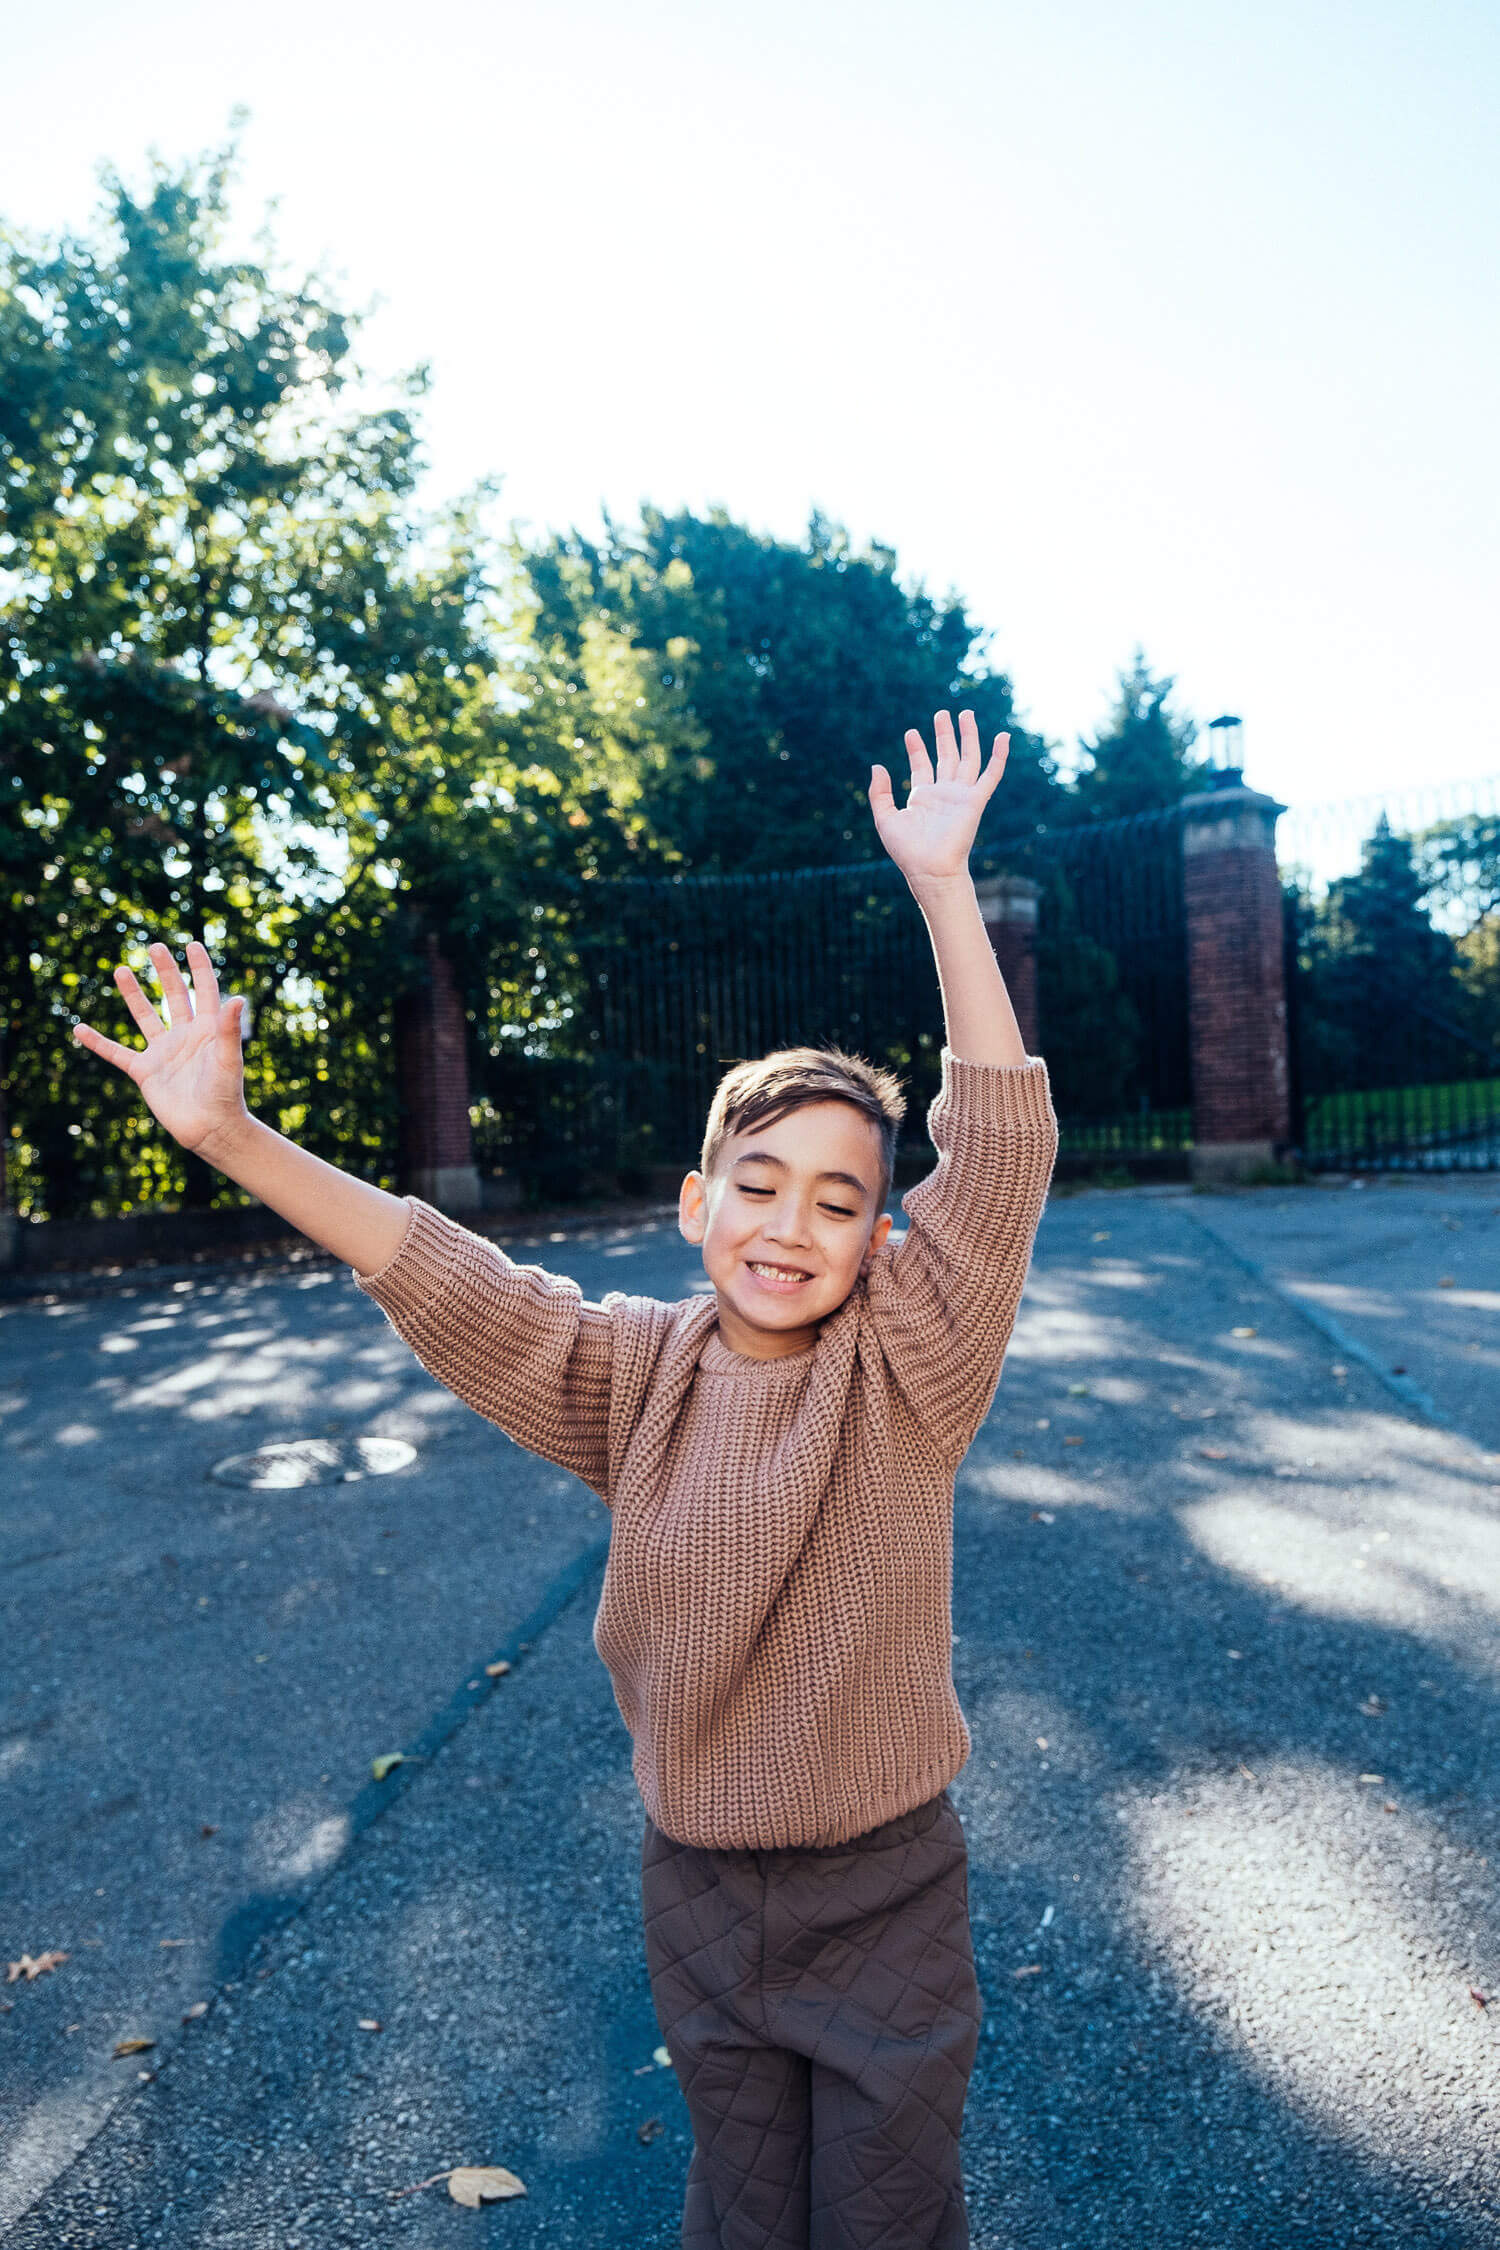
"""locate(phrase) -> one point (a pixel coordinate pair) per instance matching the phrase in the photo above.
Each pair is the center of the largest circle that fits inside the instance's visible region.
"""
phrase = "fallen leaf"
(1017, 1453)
(372, 2023)
(1245, 1770)
(1236, 1653)
(1044, 1422)
(649, 2130)
(1042, 1742)
(1032, 1969)
(1214, 1452)
(1100, 1235)
(473, 2184)
(641, 2070)
(174, 1941)
(495, 1670)
(380, 1767)
(31, 1967)
(1242, 1331)
(1078, 1390)
(133, 2046)
(208, 1829)
(1480, 1999)
(1042, 1515)
(662, 2056)
(198, 2008)
(1366, 1779)
(1373, 1707)
(1388, 1806)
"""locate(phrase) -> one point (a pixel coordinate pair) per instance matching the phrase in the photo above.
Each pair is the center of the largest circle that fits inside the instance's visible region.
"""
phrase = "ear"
(878, 1233)
(692, 1208)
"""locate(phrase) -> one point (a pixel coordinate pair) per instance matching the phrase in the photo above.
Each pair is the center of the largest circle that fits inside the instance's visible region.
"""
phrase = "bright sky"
(1172, 323)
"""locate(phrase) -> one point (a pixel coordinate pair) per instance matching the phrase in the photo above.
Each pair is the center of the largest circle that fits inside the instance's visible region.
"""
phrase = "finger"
(882, 796)
(146, 1018)
(947, 748)
(916, 750)
(110, 1050)
(998, 755)
(205, 983)
(174, 991)
(970, 755)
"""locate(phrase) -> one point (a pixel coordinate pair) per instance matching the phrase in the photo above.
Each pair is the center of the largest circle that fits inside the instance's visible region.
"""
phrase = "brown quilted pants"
(822, 2014)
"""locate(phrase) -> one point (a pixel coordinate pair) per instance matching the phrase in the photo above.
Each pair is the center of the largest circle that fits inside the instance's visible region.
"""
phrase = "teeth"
(779, 1273)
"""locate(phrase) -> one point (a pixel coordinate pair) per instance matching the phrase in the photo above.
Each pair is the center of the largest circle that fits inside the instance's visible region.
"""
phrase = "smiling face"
(799, 1194)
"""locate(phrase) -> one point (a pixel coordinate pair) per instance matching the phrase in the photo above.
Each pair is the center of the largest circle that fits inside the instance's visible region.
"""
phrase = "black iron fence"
(656, 988)
(1393, 978)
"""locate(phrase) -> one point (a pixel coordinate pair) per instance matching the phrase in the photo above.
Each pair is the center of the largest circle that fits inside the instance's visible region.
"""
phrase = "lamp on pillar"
(1226, 752)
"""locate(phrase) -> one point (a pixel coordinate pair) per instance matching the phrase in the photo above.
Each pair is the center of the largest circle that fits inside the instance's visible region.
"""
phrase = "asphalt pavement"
(1227, 1607)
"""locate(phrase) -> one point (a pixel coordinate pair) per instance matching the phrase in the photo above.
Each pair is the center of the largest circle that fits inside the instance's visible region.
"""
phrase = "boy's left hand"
(930, 837)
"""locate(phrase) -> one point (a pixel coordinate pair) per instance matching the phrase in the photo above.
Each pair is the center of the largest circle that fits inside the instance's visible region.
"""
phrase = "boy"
(779, 1463)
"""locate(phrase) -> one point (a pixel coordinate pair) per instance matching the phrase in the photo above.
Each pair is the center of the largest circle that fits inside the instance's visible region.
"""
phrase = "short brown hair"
(763, 1091)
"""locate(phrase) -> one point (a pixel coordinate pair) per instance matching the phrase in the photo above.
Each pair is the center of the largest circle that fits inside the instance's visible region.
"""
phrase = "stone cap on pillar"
(1007, 898)
(1229, 820)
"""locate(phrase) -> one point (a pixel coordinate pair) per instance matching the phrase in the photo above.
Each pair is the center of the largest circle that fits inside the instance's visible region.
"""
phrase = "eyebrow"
(764, 1156)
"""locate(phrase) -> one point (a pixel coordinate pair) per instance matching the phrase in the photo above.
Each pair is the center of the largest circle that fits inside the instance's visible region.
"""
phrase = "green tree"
(792, 668)
(1139, 759)
(238, 669)
(1381, 1001)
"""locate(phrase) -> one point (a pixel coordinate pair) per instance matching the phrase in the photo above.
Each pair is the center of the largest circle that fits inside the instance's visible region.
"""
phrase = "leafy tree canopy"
(791, 668)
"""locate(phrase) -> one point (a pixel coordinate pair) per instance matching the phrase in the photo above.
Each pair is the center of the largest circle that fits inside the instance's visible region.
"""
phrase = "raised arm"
(945, 1296)
(192, 1079)
(930, 839)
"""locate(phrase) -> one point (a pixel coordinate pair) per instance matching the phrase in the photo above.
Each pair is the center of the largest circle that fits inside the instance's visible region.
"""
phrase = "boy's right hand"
(191, 1070)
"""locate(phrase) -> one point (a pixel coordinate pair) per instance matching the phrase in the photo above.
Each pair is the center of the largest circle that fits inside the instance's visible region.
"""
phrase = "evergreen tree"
(1139, 760)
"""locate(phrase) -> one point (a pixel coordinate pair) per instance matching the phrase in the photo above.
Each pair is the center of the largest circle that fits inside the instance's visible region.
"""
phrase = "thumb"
(231, 1025)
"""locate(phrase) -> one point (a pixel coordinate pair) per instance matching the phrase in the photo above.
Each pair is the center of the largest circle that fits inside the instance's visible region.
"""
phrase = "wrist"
(938, 887)
(227, 1144)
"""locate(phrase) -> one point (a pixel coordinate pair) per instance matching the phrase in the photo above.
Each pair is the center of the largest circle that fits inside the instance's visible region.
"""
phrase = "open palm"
(930, 837)
(190, 1070)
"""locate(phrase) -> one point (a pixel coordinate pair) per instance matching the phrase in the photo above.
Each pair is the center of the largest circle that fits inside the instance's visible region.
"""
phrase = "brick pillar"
(437, 1151)
(1236, 987)
(1008, 909)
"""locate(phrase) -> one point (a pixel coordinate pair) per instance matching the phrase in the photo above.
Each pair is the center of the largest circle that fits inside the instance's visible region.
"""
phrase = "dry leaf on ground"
(198, 2008)
(474, 2184)
(380, 1767)
(495, 1670)
(1242, 1331)
(133, 2046)
(32, 1966)
(650, 2129)
(1214, 1452)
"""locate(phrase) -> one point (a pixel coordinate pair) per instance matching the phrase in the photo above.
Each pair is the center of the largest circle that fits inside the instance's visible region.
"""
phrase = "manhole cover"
(316, 1460)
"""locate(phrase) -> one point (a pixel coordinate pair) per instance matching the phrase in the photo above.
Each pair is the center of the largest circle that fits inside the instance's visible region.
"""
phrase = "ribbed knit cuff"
(421, 1268)
(1011, 1096)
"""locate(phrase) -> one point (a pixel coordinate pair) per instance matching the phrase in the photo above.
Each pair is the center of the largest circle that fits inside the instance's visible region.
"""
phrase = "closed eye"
(836, 1208)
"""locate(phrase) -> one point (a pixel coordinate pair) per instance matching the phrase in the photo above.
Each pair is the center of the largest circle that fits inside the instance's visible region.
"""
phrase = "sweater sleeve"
(944, 1299)
(522, 1346)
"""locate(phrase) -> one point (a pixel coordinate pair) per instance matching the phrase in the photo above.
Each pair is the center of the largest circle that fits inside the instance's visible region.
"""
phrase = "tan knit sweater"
(776, 1609)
